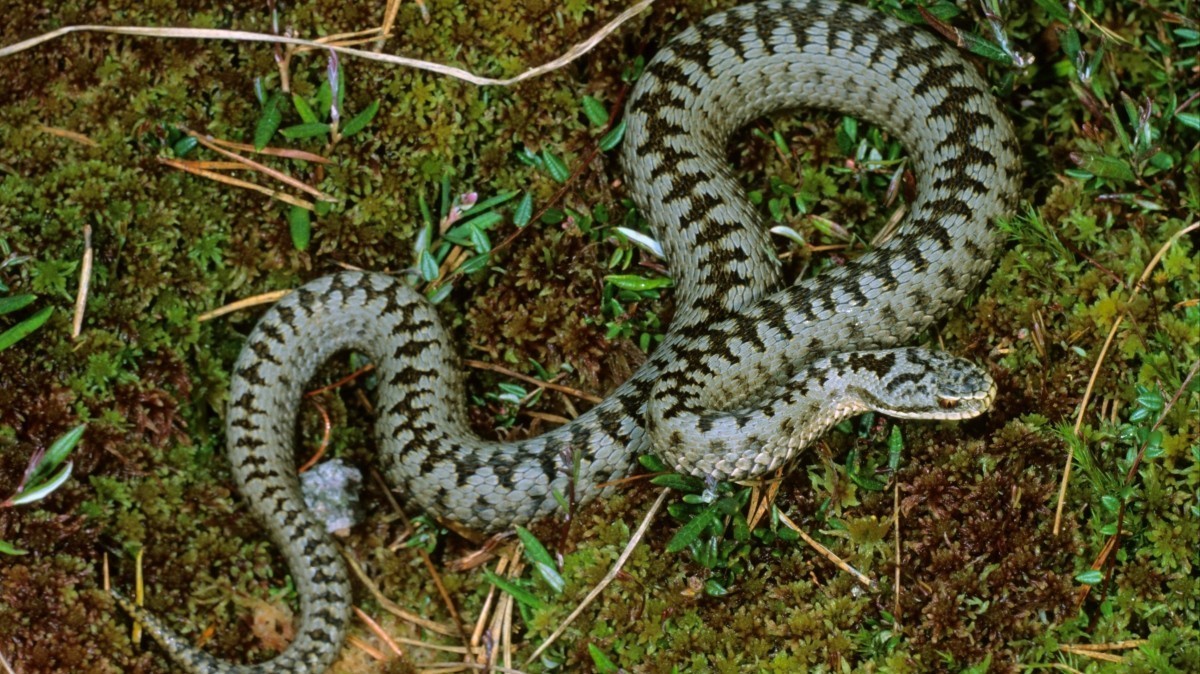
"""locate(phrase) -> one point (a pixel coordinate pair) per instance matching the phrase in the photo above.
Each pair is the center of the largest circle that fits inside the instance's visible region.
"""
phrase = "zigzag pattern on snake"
(748, 374)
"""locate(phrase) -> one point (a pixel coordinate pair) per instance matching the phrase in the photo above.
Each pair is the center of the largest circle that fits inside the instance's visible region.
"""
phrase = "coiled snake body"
(747, 375)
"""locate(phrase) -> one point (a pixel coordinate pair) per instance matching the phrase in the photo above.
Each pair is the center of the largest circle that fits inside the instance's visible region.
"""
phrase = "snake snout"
(962, 388)
(926, 384)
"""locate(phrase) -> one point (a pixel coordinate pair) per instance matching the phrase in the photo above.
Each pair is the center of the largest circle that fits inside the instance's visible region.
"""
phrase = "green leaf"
(15, 303)
(635, 282)
(524, 211)
(534, 549)
(519, 593)
(895, 448)
(1089, 577)
(268, 121)
(9, 549)
(613, 138)
(307, 115)
(492, 202)
(1070, 43)
(689, 532)
(601, 661)
(41, 491)
(428, 266)
(484, 221)
(305, 131)
(713, 588)
(474, 264)
(652, 463)
(555, 166)
(1111, 168)
(57, 453)
(184, 145)
(300, 225)
(361, 120)
(436, 295)
(1055, 9)
(984, 48)
(479, 240)
(21, 330)
(684, 483)
(596, 113)
(324, 99)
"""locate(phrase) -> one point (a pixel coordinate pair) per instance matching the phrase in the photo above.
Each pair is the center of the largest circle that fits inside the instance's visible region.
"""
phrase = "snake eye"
(947, 403)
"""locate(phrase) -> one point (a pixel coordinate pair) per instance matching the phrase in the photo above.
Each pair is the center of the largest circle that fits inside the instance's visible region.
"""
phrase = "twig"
(896, 524)
(69, 135)
(391, 606)
(827, 553)
(608, 577)
(286, 153)
(7, 667)
(262, 168)
(1114, 646)
(366, 648)
(237, 182)
(326, 434)
(245, 303)
(1087, 394)
(1115, 539)
(248, 36)
(379, 631)
(85, 282)
(536, 382)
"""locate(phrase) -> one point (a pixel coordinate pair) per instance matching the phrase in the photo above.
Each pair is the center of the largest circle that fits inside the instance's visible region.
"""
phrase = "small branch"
(827, 553)
(1087, 394)
(247, 36)
(608, 578)
(85, 281)
(536, 382)
(245, 303)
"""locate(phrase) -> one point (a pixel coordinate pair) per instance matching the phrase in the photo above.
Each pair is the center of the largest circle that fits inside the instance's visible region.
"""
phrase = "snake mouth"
(965, 407)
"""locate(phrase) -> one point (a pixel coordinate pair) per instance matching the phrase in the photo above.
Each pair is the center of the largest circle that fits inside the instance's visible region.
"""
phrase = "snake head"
(925, 384)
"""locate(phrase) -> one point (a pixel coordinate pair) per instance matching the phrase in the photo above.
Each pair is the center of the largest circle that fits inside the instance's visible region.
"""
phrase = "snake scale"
(748, 374)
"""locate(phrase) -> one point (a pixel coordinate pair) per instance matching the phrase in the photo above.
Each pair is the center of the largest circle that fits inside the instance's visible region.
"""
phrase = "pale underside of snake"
(748, 374)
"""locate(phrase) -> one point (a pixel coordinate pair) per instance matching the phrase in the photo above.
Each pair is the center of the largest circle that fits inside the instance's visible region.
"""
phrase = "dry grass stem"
(69, 135)
(366, 648)
(828, 554)
(286, 153)
(139, 594)
(896, 530)
(85, 282)
(263, 168)
(235, 182)
(379, 631)
(451, 667)
(546, 416)
(584, 395)
(1095, 655)
(608, 577)
(246, 303)
(1115, 646)
(248, 36)
(391, 606)
(1087, 394)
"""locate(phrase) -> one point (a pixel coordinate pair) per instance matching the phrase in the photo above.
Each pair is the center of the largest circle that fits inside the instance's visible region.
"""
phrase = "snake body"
(748, 373)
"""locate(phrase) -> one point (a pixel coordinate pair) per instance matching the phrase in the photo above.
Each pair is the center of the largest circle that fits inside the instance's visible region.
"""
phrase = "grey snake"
(750, 371)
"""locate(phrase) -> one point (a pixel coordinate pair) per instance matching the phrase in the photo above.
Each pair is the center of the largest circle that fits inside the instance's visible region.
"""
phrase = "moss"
(984, 580)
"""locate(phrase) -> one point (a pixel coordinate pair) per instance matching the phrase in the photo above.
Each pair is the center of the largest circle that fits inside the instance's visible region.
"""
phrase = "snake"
(750, 371)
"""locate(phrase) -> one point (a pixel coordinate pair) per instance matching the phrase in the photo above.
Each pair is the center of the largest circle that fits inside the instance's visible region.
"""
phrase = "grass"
(987, 580)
